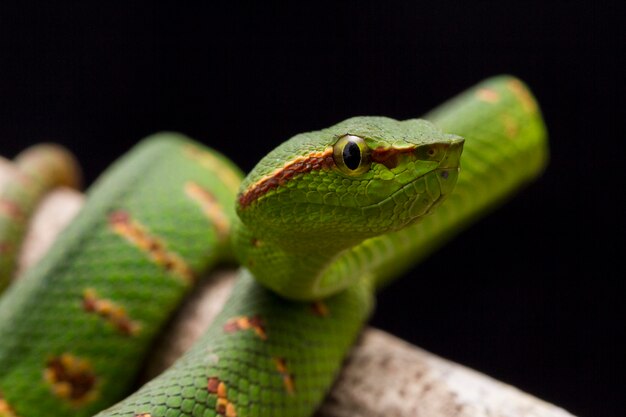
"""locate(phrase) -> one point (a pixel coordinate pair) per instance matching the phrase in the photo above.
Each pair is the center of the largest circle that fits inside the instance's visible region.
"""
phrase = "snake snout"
(447, 172)
(452, 154)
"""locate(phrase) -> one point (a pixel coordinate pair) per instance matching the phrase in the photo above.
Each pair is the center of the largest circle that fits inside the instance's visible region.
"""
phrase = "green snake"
(318, 225)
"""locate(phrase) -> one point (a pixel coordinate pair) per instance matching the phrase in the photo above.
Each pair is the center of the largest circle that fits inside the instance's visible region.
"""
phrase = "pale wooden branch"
(384, 376)
(54, 212)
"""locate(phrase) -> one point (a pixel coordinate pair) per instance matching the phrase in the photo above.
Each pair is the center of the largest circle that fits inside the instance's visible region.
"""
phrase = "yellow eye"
(352, 155)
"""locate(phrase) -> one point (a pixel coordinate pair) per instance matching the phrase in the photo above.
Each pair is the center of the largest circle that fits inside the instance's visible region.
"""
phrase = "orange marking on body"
(488, 95)
(212, 384)
(71, 379)
(220, 406)
(111, 312)
(281, 367)
(246, 323)
(522, 95)
(510, 126)
(143, 415)
(231, 411)
(11, 210)
(300, 165)
(390, 157)
(223, 406)
(319, 308)
(211, 208)
(135, 233)
(221, 390)
(216, 165)
(5, 409)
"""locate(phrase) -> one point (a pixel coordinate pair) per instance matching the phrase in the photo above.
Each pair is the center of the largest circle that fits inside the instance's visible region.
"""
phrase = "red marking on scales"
(212, 384)
(314, 161)
(223, 406)
(71, 378)
(487, 95)
(511, 127)
(5, 408)
(522, 94)
(389, 156)
(281, 367)
(110, 312)
(122, 224)
(214, 164)
(254, 323)
(143, 415)
(319, 308)
(211, 208)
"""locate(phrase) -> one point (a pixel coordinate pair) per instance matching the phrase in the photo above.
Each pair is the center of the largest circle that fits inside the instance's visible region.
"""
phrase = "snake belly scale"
(331, 214)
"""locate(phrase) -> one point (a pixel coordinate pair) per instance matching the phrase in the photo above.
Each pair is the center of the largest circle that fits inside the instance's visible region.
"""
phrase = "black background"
(532, 295)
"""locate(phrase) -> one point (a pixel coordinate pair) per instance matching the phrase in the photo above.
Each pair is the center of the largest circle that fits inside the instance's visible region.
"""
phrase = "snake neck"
(303, 267)
(309, 205)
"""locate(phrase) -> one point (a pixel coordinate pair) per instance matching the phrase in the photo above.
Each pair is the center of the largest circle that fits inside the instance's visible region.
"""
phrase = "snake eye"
(352, 155)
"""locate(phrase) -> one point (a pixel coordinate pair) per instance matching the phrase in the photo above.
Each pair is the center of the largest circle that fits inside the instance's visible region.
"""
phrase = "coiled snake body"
(321, 222)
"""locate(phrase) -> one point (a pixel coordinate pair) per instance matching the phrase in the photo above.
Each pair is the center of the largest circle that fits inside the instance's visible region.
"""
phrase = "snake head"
(360, 178)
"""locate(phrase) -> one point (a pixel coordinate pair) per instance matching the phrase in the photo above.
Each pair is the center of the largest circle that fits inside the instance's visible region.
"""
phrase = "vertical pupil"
(352, 155)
